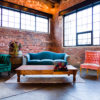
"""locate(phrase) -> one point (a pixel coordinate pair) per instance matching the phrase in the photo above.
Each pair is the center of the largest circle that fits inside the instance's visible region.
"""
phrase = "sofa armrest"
(66, 57)
(27, 56)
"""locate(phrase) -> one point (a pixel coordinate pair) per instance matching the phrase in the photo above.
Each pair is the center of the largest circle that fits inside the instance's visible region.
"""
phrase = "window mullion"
(76, 31)
(20, 19)
(35, 23)
(1, 16)
(92, 28)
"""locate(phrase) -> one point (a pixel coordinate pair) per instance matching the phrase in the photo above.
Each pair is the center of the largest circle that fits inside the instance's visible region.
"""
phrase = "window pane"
(11, 13)
(96, 25)
(9, 18)
(5, 11)
(41, 24)
(5, 17)
(84, 20)
(27, 22)
(70, 30)
(84, 38)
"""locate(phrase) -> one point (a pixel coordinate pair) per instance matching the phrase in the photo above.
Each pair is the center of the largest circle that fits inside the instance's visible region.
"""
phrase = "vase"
(20, 53)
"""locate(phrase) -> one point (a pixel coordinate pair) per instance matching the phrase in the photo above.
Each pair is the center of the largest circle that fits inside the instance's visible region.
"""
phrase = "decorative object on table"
(60, 66)
(15, 48)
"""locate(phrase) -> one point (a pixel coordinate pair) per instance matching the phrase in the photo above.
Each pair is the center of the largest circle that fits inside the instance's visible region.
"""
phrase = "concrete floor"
(88, 90)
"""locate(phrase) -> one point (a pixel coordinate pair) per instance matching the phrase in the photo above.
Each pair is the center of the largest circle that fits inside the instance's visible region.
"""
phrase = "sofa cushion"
(33, 62)
(47, 62)
(41, 62)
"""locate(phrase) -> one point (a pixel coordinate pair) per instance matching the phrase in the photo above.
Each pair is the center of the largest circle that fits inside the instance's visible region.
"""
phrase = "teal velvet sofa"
(45, 58)
(5, 64)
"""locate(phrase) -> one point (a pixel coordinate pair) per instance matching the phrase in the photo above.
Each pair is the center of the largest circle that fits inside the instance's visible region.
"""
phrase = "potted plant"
(15, 48)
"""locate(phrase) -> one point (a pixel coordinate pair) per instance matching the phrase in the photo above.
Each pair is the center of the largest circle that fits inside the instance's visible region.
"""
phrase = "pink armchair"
(92, 61)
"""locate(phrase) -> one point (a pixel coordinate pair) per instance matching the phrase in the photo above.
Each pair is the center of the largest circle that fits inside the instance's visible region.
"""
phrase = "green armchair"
(5, 64)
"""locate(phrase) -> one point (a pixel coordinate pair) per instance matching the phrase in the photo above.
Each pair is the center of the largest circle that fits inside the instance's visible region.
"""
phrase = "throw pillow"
(60, 66)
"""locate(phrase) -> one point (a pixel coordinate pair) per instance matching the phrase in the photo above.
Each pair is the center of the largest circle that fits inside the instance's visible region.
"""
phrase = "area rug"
(12, 89)
(45, 79)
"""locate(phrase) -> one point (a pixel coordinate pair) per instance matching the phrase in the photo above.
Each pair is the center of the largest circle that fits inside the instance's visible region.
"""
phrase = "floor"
(88, 90)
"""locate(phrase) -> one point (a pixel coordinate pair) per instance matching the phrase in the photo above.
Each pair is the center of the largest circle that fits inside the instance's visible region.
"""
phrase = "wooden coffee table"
(44, 69)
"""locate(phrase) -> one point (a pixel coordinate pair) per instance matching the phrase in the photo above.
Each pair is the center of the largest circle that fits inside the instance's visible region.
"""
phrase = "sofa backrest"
(4, 59)
(47, 55)
(92, 57)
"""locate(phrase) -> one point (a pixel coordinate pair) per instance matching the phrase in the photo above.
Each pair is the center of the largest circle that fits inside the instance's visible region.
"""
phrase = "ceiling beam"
(23, 8)
(77, 6)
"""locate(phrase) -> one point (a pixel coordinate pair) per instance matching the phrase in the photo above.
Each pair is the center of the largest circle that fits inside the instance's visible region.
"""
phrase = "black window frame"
(75, 11)
(20, 11)
(83, 33)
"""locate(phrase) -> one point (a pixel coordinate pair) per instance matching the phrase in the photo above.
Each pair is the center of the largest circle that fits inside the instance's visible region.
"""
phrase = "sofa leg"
(9, 73)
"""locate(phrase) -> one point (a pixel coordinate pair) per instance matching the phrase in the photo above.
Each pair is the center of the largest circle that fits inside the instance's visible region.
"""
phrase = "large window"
(27, 22)
(82, 27)
(70, 30)
(10, 18)
(23, 20)
(41, 24)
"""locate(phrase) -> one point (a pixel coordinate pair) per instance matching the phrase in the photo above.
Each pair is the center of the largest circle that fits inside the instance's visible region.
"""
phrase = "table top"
(42, 67)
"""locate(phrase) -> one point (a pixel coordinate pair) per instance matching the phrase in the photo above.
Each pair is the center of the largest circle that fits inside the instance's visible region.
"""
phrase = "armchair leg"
(9, 73)
(80, 71)
(97, 74)
(87, 71)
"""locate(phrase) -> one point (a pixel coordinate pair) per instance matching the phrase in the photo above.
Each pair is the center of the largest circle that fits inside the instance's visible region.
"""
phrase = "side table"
(16, 61)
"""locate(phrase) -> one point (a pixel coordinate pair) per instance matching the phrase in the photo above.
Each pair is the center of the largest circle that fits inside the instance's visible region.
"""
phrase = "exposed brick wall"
(31, 41)
(77, 54)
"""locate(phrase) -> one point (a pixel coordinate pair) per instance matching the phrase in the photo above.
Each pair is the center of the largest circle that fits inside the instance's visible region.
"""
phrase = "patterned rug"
(45, 79)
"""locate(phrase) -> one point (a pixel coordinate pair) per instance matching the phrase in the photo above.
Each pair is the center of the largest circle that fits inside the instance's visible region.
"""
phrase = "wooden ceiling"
(54, 1)
(47, 6)
(50, 3)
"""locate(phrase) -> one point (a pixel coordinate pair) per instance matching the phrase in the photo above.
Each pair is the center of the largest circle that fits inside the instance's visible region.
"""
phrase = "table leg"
(18, 77)
(74, 75)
